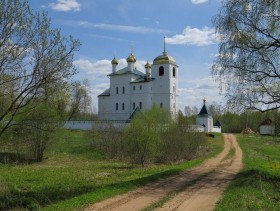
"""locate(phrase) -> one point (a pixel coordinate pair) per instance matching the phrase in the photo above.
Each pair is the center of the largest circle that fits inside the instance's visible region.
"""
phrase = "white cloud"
(98, 69)
(101, 68)
(123, 28)
(199, 1)
(65, 5)
(195, 91)
(194, 36)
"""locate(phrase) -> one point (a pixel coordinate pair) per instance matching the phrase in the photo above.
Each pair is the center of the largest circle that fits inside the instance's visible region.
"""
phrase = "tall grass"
(72, 176)
(257, 186)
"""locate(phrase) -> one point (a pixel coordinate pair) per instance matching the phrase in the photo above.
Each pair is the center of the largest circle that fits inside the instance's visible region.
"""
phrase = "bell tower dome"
(165, 72)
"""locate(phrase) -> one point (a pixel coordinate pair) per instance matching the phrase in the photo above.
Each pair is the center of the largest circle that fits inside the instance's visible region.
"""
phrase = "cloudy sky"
(114, 27)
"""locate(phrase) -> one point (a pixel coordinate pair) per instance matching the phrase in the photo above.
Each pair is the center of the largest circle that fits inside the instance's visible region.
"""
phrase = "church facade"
(132, 90)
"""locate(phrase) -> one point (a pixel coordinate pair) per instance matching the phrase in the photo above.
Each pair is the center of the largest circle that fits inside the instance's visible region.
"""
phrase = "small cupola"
(114, 63)
(148, 70)
(131, 58)
(130, 61)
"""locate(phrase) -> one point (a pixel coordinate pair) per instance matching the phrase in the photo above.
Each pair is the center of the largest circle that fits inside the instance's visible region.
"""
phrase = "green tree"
(143, 136)
(33, 132)
(33, 57)
(249, 53)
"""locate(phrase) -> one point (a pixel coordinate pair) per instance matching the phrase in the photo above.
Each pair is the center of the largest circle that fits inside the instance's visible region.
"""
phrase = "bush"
(108, 141)
(177, 145)
(152, 137)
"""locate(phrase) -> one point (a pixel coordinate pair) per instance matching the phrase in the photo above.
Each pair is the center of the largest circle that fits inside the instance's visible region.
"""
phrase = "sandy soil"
(211, 178)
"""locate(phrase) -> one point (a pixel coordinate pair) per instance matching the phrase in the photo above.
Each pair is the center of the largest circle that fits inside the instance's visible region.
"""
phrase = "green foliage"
(177, 145)
(74, 176)
(258, 183)
(108, 141)
(36, 60)
(235, 123)
(32, 132)
(142, 138)
(152, 137)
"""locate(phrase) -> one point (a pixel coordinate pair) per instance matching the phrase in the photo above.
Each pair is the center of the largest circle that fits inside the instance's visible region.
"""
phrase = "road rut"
(210, 179)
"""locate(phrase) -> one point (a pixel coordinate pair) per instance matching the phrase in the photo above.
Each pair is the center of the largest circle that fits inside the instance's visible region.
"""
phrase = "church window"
(117, 106)
(133, 105)
(123, 90)
(161, 105)
(174, 72)
(117, 90)
(122, 106)
(133, 88)
(140, 87)
(161, 71)
(140, 105)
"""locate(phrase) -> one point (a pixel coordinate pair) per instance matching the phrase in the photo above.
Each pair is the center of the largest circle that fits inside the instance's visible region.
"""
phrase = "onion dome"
(147, 65)
(114, 61)
(164, 59)
(131, 58)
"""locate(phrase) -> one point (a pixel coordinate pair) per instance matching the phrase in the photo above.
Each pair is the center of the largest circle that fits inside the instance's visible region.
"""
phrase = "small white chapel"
(132, 90)
(205, 120)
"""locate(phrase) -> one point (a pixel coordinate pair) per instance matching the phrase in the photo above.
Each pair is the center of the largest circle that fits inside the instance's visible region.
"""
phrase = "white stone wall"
(97, 125)
(217, 129)
(267, 130)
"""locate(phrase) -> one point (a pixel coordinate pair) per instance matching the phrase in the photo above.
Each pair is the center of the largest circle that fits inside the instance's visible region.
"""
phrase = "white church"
(131, 90)
(205, 120)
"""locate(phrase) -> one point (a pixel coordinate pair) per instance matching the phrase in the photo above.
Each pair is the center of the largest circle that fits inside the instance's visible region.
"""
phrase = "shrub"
(177, 145)
(108, 141)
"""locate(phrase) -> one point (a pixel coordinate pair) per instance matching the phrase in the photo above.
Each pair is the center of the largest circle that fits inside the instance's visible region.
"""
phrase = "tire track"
(151, 193)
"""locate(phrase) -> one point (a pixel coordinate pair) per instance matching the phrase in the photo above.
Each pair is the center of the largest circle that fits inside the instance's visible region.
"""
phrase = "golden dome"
(131, 58)
(164, 59)
(147, 65)
(114, 61)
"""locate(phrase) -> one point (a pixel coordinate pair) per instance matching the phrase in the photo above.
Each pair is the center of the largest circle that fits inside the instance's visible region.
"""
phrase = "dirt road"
(198, 188)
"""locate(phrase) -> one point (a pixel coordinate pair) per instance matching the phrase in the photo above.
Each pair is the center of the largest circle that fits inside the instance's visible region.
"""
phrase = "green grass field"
(257, 186)
(73, 176)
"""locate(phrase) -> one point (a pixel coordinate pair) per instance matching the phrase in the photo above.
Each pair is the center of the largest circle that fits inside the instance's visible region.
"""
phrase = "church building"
(206, 120)
(132, 90)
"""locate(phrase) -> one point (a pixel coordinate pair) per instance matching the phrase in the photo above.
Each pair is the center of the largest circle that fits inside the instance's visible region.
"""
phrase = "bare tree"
(32, 56)
(248, 64)
(80, 100)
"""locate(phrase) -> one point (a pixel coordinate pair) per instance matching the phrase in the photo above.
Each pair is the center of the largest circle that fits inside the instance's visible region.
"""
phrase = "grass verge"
(257, 186)
(73, 176)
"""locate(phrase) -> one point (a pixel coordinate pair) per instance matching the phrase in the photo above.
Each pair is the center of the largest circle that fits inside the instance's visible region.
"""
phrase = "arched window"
(117, 106)
(174, 72)
(161, 105)
(161, 71)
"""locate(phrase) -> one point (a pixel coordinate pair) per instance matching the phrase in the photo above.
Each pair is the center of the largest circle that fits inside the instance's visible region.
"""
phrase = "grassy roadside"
(257, 186)
(74, 177)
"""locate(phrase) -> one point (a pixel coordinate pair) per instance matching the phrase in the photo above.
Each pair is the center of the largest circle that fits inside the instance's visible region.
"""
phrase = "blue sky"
(114, 27)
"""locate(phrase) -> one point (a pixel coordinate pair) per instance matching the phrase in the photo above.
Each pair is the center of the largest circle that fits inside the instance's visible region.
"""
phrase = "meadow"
(73, 176)
(257, 186)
